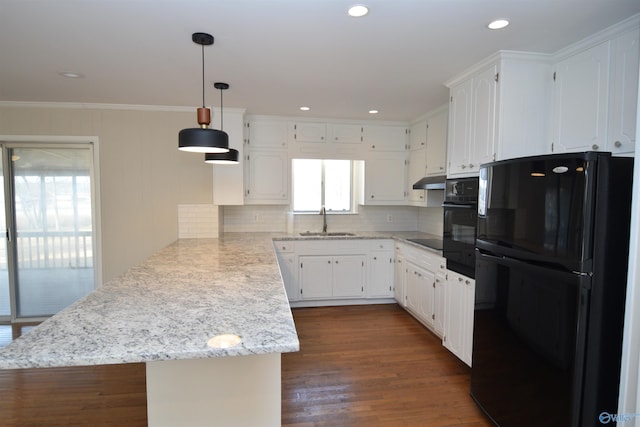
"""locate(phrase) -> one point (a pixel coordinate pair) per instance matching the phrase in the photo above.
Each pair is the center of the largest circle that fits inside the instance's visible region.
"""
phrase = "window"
(318, 183)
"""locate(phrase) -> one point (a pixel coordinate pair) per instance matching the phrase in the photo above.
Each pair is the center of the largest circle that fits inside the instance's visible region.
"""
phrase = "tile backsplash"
(198, 221)
(276, 218)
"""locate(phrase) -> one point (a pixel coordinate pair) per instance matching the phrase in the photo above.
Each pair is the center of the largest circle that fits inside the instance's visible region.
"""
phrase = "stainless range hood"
(430, 183)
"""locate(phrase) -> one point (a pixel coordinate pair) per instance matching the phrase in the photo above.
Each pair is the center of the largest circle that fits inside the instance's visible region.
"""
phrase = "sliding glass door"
(5, 289)
(50, 228)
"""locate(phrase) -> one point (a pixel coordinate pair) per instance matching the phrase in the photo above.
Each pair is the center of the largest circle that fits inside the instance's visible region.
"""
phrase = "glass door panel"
(52, 211)
(5, 298)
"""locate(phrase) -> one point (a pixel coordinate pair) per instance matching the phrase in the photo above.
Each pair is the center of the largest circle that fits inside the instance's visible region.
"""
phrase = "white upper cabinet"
(458, 145)
(581, 98)
(339, 133)
(266, 133)
(307, 132)
(473, 125)
(624, 90)
(228, 182)
(498, 110)
(385, 137)
(483, 117)
(418, 135)
(267, 177)
(385, 179)
(437, 143)
(595, 96)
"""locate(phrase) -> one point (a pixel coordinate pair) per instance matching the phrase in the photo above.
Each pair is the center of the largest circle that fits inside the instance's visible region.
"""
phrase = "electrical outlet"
(389, 218)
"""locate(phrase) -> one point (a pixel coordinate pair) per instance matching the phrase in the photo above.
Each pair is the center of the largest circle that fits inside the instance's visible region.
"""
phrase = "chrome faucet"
(323, 212)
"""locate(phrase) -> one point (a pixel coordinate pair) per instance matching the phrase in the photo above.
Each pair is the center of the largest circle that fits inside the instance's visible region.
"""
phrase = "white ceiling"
(276, 54)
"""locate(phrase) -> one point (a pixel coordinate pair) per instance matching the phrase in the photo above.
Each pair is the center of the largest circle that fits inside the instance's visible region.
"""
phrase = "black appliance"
(430, 243)
(551, 267)
(460, 219)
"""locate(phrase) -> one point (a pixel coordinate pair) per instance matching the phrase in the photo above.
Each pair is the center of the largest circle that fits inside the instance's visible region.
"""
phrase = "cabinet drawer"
(284, 246)
(381, 245)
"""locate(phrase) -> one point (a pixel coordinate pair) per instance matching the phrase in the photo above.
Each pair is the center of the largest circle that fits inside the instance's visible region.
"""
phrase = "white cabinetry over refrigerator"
(595, 97)
(498, 109)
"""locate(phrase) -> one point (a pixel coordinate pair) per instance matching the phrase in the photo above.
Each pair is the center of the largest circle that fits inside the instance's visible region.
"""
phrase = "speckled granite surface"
(169, 307)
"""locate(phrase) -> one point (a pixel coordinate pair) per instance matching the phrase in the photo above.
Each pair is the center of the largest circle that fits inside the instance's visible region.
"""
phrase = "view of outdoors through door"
(5, 300)
(52, 217)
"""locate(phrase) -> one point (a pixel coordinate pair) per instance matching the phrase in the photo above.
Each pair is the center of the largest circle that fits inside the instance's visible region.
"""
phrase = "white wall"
(143, 175)
(629, 400)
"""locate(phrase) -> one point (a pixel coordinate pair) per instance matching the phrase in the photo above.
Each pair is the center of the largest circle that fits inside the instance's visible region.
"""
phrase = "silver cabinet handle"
(471, 165)
(595, 146)
(463, 166)
(459, 279)
(617, 144)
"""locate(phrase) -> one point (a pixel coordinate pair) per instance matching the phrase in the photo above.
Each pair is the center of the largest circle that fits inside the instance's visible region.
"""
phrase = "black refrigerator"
(551, 273)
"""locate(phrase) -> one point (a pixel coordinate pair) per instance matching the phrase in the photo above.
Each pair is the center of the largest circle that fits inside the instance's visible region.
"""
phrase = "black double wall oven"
(460, 222)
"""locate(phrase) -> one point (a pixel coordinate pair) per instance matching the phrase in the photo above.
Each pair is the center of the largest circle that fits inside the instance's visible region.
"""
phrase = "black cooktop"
(430, 243)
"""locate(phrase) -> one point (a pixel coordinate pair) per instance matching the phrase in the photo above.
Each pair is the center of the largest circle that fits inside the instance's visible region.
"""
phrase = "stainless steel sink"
(333, 234)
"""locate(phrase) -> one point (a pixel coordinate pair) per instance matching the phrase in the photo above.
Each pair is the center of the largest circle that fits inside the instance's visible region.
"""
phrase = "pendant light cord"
(221, 109)
(203, 76)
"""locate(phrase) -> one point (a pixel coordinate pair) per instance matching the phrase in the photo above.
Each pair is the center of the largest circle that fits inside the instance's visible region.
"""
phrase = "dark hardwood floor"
(358, 366)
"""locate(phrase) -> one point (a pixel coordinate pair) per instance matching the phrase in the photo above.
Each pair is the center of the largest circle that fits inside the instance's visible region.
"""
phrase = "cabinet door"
(412, 290)
(228, 180)
(380, 275)
(418, 135)
(385, 138)
(459, 128)
(315, 273)
(581, 95)
(348, 276)
(416, 171)
(438, 304)
(458, 326)
(289, 272)
(436, 154)
(399, 283)
(307, 132)
(385, 178)
(483, 112)
(267, 176)
(624, 93)
(419, 295)
(267, 133)
(345, 133)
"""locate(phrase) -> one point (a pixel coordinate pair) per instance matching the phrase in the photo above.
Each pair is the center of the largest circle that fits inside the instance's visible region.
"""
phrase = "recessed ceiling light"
(70, 75)
(498, 24)
(305, 108)
(358, 10)
(373, 111)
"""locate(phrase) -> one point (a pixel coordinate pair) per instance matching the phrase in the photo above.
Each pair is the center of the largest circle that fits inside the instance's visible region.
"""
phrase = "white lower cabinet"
(331, 276)
(419, 292)
(340, 271)
(459, 297)
(380, 271)
(419, 280)
(288, 268)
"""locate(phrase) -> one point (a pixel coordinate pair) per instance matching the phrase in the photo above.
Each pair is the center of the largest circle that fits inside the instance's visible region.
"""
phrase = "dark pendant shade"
(228, 158)
(203, 140)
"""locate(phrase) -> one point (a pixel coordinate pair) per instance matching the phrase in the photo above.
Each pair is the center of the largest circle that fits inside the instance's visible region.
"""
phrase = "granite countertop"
(168, 307)
(401, 236)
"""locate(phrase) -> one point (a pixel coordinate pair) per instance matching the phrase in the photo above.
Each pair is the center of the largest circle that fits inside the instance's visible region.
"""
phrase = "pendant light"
(203, 139)
(230, 157)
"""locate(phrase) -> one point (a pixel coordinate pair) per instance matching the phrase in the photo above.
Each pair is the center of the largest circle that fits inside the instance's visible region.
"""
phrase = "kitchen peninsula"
(166, 313)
